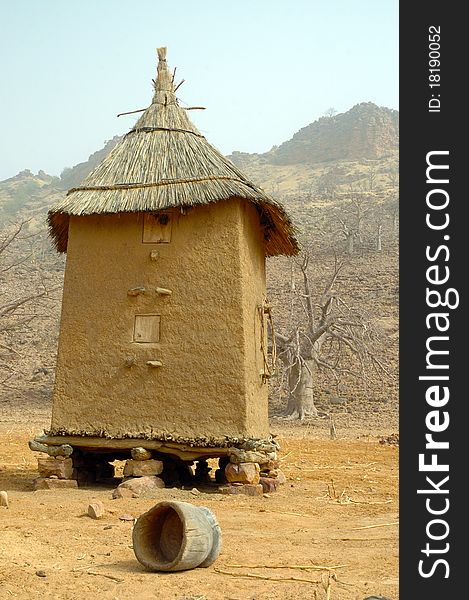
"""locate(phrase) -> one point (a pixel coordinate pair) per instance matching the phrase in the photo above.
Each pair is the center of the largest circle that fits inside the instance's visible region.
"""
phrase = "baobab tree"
(330, 335)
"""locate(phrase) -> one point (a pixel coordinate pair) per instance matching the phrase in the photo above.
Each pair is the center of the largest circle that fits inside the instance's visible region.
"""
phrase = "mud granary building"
(162, 336)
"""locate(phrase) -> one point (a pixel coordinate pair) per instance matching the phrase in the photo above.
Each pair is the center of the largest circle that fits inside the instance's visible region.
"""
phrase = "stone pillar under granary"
(163, 344)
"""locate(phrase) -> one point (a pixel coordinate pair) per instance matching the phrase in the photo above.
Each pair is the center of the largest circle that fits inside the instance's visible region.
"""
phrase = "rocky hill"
(366, 131)
(72, 177)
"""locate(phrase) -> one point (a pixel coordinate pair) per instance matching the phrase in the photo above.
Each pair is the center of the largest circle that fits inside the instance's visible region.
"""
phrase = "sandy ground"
(338, 509)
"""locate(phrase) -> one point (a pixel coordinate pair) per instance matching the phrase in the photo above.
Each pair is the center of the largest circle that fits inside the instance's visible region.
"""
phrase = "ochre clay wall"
(252, 259)
(209, 383)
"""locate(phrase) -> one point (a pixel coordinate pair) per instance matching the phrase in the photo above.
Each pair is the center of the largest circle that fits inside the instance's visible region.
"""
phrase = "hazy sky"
(263, 69)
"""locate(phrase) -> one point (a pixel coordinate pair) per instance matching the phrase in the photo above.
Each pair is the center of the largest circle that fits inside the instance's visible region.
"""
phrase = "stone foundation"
(251, 470)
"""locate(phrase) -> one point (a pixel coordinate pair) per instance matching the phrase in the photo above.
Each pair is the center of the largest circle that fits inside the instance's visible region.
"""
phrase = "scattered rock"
(96, 510)
(126, 518)
(58, 466)
(278, 475)
(4, 499)
(41, 573)
(272, 464)
(142, 468)
(108, 527)
(281, 478)
(195, 492)
(269, 484)
(46, 483)
(243, 472)
(139, 486)
(140, 453)
(248, 489)
(119, 493)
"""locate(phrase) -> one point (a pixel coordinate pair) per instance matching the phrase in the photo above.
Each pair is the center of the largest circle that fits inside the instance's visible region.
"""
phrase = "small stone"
(140, 486)
(108, 527)
(41, 573)
(142, 468)
(271, 465)
(278, 475)
(281, 478)
(96, 510)
(195, 492)
(50, 466)
(4, 499)
(242, 472)
(45, 483)
(126, 518)
(140, 453)
(269, 484)
(248, 489)
(119, 493)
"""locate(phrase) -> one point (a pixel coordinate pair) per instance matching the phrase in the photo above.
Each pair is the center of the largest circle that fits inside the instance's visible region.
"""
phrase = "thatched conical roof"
(165, 162)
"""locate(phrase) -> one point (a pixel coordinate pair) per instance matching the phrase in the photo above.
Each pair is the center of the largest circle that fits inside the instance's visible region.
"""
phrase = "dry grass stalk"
(301, 567)
(348, 467)
(118, 579)
(388, 501)
(327, 580)
(373, 526)
(165, 162)
(294, 514)
(265, 577)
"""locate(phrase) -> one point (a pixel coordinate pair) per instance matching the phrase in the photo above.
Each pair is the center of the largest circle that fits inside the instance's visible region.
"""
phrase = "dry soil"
(331, 532)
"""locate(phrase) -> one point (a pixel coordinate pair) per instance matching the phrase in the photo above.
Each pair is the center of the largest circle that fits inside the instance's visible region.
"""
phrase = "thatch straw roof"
(164, 162)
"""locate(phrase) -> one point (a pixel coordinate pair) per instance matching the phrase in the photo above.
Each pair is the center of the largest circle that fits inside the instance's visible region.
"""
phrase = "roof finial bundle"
(164, 80)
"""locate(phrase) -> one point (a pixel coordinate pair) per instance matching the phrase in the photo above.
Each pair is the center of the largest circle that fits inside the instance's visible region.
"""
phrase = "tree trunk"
(350, 239)
(378, 238)
(300, 387)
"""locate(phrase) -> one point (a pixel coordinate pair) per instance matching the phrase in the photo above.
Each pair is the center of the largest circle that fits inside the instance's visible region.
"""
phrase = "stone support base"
(251, 470)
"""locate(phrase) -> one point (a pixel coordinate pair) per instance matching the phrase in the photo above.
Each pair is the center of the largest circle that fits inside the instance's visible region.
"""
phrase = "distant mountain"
(25, 191)
(366, 131)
